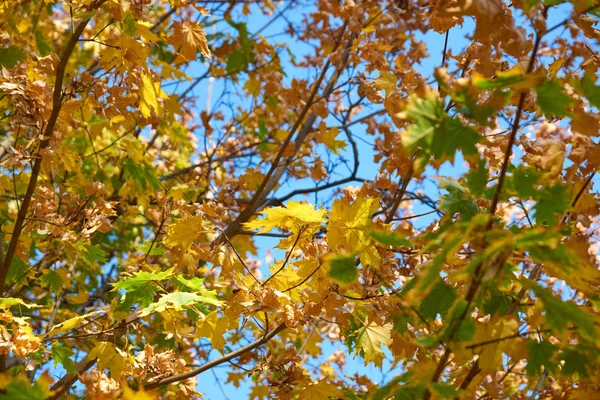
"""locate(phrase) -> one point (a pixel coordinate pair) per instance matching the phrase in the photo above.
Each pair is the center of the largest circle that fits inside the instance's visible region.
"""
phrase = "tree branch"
(476, 281)
(69, 379)
(537, 269)
(277, 167)
(45, 142)
(514, 130)
(211, 364)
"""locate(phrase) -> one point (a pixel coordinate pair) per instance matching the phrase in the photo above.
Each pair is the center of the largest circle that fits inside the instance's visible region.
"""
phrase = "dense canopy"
(347, 199)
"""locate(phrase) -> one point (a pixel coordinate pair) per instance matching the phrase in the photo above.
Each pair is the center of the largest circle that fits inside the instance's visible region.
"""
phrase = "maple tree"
(182, 190)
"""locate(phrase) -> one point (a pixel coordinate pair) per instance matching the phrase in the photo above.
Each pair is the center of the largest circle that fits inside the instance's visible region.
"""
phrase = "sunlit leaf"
(369, 339)
(177, 301)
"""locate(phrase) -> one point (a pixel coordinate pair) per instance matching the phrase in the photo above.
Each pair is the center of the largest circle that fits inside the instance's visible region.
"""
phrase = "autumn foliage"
(288, 189)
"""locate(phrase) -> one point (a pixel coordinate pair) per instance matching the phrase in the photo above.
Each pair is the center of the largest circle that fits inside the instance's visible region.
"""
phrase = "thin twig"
(239, 257)
(287, 257)
(303, 280)
(400, 194)
(445, 48)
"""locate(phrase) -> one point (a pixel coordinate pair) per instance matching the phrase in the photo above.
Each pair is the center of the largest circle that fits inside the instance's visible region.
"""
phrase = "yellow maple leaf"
(583, 393)
(170, 72)
(184, 232)
(424, 369)
(191, 37)
(320, 390)
(294, 215)
(349, 228)
(386, 82)
(313, 345)
(109, 357)
(369, 339)
(8, 302)
(259, 392)
(70, 324)
(328, 138)
(315, 277)
(490, 355)
(150, 92)
(213, 327)
(252, 86)
(235, 378)
(143, 28)
(130, 394)
(78, 298)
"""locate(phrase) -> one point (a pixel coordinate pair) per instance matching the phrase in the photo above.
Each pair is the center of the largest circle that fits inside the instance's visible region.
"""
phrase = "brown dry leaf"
(24, 342)
(191, 37)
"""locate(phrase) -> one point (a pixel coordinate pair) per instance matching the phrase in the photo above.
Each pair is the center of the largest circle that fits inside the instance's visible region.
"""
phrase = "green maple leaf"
(497, 303)
(467, 328)
(590, 90)
(540, 355)
(538, 238)
(552, 201)
(458, 199)
(62, 355)
(477, 178)
(560, 313)
(343, 268)
(410, 392)
(552, 100)
(43, 47)
(240, 58)
(445, 391)
(468, 105)
(19, 388)
(10, 56)
(439, 300)
(525, 181)
(177, 301)
(142, 279)
(575, 362)
(197, 285)
(53, 280)
(511, 77)
(434, 132)
(142, 174)
(141, 287)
